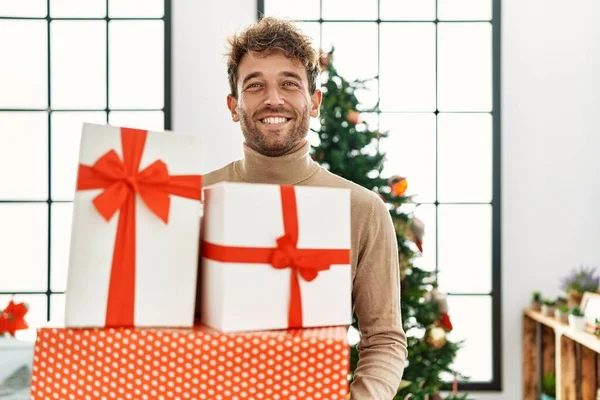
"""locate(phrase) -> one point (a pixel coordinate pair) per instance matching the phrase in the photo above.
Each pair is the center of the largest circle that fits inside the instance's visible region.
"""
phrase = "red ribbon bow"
(121, 180)
(306, 262)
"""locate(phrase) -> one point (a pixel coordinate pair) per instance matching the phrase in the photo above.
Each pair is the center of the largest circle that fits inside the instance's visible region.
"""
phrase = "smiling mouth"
(274, 120)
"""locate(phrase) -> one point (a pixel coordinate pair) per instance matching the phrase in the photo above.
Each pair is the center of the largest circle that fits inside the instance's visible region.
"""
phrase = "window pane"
(349, 9)
(408, 10)
(465, 248)
(465, 157)
(410, 151)
(471, 318)
(23, 8)
(355, 55)
(66, 134)
(57, 309)
(464, 10)
(465, 66)
(136, 64)
(24, 239)
(62, 214)
(24, 155)
(78, 8)
(426, 213)
(150, 120)
(36, 315)
(313, 30)
(293, 9)
(136, 8)
(24, 66)
(78, 64)
(408, 67)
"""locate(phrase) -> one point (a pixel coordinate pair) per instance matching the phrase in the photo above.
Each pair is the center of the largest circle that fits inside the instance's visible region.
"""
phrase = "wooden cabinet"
(551, 346)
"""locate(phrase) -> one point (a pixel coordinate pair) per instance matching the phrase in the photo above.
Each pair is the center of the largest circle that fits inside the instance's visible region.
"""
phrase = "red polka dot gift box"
(133, 363)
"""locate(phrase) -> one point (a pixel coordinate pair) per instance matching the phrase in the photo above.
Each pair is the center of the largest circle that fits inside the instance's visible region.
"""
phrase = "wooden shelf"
(552, 346)
(584, 338)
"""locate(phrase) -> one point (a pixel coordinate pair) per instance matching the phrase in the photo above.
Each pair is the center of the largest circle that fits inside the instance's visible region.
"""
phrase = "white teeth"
(274, 120)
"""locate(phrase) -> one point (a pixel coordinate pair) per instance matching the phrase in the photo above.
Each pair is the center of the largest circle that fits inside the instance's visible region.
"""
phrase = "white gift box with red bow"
(275, 257)
(135, 231)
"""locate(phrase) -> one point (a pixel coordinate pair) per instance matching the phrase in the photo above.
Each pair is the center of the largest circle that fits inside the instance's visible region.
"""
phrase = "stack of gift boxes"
(179, 291)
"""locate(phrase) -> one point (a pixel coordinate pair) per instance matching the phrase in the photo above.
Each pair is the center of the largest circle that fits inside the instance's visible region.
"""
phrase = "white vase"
(577, 323)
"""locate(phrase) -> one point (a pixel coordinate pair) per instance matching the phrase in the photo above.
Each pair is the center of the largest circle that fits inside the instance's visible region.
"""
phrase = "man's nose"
(274, 97)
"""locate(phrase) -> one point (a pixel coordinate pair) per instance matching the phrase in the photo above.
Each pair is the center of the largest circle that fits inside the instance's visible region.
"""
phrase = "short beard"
(256, 140)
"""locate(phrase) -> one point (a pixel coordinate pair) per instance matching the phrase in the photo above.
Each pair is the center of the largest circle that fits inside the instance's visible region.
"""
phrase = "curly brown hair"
(273, 35)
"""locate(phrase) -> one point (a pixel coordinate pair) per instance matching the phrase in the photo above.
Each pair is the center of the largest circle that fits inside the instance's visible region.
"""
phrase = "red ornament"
(12, 318)
(445, 322)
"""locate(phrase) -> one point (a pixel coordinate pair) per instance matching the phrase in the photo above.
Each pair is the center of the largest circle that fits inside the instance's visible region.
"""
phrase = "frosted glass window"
(475, 358)
(465, 248)
(293, 9)
(407, 10)
(78, 64)
(24, 241)
(465, 67)
(136, 8)
(465, 157)
(78, 9)
(136, 64)
(24, 155)
(349, 9)
(465, 10)
(24, 66)
(62, 215)
(410, 152)
(150, 120)
(66, 135)
(24, 8)
(407, 68)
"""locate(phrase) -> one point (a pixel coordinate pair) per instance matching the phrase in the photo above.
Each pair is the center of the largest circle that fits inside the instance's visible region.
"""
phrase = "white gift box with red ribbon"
(275, 257)
(135, 231)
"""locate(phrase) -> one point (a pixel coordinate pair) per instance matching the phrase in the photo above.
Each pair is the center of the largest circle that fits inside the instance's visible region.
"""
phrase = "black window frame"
(167, 112)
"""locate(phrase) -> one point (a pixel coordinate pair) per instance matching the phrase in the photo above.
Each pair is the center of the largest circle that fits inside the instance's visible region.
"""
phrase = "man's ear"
(232, 105)
(315, 100)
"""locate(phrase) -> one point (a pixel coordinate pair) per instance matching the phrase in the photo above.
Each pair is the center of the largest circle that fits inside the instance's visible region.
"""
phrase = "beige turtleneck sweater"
(374, 257)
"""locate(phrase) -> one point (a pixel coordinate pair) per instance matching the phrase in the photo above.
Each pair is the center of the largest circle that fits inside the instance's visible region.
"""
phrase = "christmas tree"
(349, 148)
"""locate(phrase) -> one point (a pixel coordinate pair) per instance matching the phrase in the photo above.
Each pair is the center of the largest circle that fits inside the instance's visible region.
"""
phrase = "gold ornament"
(436, 337)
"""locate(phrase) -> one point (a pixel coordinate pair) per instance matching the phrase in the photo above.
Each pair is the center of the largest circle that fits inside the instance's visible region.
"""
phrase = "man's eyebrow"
(291, 75)
(251, 76)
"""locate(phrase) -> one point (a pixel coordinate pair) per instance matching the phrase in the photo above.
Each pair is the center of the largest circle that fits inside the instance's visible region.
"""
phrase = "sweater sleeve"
(376, 291)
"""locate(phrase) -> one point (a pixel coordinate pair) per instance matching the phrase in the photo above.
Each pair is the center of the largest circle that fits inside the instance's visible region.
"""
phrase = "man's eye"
(290, 84)
(254, 85)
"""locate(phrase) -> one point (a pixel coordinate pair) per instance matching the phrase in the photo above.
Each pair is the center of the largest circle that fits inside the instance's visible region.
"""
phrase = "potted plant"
(549, 386)
(548, 307)
(561, 313)
(577, 319)
(580, 280)
(536, 301)
(561, 301)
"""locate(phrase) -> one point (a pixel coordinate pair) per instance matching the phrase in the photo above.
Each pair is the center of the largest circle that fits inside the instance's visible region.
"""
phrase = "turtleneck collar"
(289, 169)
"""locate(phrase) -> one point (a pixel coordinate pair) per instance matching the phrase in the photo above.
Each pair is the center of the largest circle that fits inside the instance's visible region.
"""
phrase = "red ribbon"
(121, 180)
(306, 262)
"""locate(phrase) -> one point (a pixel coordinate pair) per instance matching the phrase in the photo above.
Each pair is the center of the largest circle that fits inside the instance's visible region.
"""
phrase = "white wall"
(551, 167)
(200, 87)
(550, 138)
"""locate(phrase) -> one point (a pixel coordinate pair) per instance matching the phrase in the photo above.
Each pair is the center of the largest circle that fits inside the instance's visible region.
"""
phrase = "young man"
(273, 72)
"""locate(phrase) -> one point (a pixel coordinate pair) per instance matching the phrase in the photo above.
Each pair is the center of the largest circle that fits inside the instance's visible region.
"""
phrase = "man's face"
(273, 104)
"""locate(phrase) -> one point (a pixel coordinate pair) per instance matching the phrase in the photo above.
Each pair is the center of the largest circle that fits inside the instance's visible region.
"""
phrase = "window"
(65, 62)
(436, 69)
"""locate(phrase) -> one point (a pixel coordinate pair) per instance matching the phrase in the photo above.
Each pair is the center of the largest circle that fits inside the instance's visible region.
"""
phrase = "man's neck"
(289, 169)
